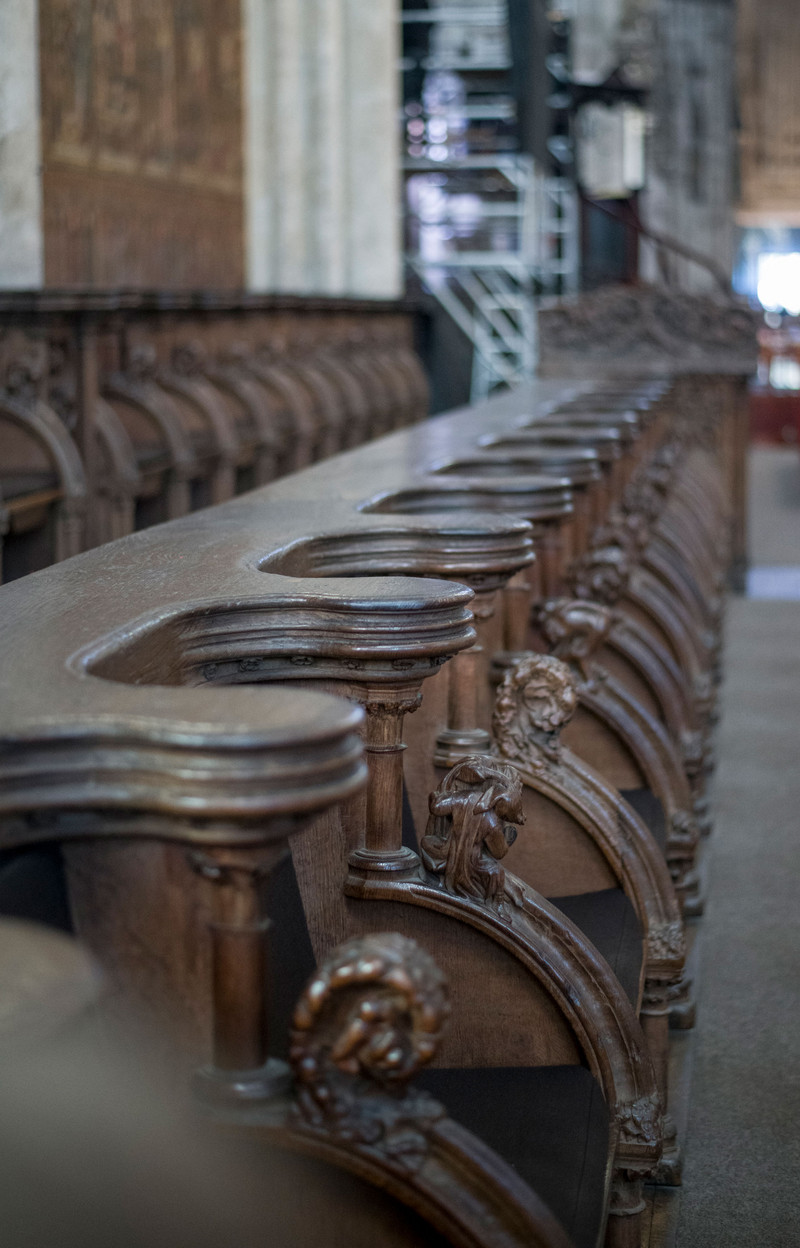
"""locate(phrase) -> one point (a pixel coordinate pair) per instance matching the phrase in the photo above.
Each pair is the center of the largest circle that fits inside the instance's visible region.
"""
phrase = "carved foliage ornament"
(368, 1020)
(536, 698)
(471, 827)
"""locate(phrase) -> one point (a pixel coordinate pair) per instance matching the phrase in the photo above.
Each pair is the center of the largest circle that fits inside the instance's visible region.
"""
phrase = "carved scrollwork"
(575, 629)
(471, 827)
(369, 1019)
(535, 700)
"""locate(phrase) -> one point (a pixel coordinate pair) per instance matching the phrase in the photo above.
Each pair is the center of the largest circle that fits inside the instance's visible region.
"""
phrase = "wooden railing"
(519, 606)
(118, 411)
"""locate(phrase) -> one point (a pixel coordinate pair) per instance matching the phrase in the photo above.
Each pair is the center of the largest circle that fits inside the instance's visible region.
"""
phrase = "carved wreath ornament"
(368, 1020)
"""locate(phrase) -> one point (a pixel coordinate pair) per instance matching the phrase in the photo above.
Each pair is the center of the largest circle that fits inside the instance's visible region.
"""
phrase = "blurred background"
(485, 155)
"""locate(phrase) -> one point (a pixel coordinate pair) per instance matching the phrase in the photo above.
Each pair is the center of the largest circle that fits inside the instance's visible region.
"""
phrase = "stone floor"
(742, 1157)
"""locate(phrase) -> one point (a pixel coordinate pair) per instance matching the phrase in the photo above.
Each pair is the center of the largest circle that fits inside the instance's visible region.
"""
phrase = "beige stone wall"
(769, 84)
(323, 194)
(21, 252)
(212, 145)
(691, 159)
(141, 143)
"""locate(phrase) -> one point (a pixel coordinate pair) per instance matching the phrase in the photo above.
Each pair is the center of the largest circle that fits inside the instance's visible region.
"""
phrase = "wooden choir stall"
(372, 798)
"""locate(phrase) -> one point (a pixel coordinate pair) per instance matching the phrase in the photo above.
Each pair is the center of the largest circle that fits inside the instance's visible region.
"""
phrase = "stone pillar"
(21, 241)
(276, 155)
(290, 168)
(260, 137)
(692, 152)
(322, 161)
(327, 147)
(372, 148)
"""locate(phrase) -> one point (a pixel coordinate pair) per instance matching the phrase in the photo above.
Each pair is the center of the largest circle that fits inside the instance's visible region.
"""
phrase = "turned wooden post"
(240, 976)
(383, 849)
(467, 676)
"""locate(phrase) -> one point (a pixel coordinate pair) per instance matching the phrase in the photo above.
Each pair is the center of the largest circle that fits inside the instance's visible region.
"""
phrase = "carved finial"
(368, 1020)
(535, 700)
(471, 826)
(575, 629)
(601, 574)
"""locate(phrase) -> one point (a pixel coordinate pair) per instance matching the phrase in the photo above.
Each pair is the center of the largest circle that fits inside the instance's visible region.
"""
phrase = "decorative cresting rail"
(707, 340)
(118, 411)
(592, 518)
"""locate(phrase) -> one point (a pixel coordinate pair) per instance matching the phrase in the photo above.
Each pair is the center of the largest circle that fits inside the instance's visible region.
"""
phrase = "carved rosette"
(471, 827)
(665, 942)
(535, 700)
(369, 1019)
(640, 1121)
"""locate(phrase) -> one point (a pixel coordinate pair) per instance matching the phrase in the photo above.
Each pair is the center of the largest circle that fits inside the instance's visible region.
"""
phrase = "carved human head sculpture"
(369, 1019)
(536, 698)
(142, 361)
(643, 504)
(188, 357)
(575, 629)
(471, 826)
(601, 574)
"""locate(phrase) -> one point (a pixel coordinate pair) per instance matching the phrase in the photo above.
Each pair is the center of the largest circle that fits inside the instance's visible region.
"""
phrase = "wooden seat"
(87, 1118)
(42, 487)
(558, 1149)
